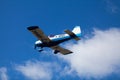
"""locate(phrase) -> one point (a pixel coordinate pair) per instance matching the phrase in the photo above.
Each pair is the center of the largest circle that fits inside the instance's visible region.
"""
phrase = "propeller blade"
(35, 46)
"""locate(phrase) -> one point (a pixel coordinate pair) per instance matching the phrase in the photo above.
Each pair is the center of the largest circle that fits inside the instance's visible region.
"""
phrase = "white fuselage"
(55, 39)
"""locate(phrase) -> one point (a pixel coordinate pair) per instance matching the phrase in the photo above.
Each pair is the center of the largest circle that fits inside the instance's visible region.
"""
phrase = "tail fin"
(77, 31)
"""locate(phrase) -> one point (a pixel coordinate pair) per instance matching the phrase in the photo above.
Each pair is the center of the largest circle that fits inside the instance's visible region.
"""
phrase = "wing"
(39, 33)
(61, 50)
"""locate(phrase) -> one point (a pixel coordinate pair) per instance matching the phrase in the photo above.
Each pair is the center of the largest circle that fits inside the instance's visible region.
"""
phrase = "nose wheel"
(39, 49)
(56, 51)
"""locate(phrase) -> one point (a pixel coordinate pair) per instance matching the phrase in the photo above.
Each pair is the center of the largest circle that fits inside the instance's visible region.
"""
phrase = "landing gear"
(40, 50)
(56, 51)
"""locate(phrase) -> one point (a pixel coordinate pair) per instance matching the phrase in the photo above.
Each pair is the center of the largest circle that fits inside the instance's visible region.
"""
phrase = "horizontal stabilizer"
(72, 35)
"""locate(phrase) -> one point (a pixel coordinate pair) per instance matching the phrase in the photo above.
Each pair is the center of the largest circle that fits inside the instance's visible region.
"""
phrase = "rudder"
(77, 31)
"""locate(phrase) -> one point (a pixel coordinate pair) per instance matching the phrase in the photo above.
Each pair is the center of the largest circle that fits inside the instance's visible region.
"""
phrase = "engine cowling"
(38, 42)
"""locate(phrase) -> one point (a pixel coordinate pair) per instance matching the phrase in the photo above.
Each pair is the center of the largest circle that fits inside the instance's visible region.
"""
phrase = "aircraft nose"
(38, 42)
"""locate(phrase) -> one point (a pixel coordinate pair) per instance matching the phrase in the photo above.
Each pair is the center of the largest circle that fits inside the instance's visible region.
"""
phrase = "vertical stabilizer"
(75, 33)
(77, 30)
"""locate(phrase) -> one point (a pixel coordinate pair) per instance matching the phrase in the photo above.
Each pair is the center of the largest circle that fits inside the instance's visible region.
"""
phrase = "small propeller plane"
(53, 41)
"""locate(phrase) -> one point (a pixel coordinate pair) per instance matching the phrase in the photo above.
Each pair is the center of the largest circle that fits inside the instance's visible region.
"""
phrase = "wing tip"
(32, 27)
(68, 53)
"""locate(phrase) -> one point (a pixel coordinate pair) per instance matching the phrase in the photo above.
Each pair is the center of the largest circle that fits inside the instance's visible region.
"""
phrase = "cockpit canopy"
(51, 35)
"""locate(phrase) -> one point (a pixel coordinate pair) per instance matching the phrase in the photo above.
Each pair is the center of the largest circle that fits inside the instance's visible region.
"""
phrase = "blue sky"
(16, 50)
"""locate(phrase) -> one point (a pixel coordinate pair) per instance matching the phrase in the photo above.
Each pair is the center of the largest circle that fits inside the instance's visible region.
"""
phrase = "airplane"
(53, 41)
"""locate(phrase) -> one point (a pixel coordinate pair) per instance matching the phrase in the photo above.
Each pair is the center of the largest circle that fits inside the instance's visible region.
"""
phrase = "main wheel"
(56, 51)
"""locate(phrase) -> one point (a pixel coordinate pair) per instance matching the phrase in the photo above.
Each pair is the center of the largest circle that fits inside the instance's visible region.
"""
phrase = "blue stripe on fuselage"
(57, 39)
(65, 37)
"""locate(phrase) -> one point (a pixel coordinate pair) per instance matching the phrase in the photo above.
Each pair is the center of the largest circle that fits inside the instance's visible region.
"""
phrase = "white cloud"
(3, 74)
(35, 70)
(96, 57)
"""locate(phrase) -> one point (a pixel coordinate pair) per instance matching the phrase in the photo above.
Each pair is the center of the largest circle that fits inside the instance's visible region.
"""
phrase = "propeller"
(39, 49)
(35, 46)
